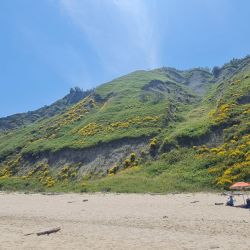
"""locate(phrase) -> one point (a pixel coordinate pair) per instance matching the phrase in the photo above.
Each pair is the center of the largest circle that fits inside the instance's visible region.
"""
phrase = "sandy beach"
(122, 221)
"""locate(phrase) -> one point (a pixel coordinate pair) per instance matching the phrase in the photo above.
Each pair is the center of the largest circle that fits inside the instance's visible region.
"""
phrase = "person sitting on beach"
(230, 201)
(248, 202)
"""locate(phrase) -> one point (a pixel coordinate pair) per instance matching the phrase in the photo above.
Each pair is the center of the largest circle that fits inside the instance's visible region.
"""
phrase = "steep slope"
(156, 131)
(198, 79)
(206, 147)
(130, 109)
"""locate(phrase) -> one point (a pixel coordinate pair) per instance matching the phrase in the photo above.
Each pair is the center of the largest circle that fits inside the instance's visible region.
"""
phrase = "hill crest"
(139, 132)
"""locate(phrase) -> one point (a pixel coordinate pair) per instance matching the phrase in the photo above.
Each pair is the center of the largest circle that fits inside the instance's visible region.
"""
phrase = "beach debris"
(165, 217)
(29, 234)
(173, 193)
(214, 247)
(149, 193)
(44, 193)
(85, 200)
(53, 230)
(218, 203)
(50, 231)
(194, 201)
(70, 201)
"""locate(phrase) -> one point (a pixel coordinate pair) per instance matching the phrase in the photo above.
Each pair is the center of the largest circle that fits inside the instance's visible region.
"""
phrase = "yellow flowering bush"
(5, 172)
(233, 160)
(132, 157)
(113, 170)
(221, 114)
(94, 128)
(67, 173)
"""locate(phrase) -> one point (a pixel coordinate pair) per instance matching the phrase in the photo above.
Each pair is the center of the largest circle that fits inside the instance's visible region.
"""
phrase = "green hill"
(19, 120)
(149, 131)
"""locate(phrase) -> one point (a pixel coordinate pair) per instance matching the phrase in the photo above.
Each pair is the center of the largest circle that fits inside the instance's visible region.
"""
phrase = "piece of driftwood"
(194, 201)
(84, 200)
(53, 230)
(218, 203)
(29, 234)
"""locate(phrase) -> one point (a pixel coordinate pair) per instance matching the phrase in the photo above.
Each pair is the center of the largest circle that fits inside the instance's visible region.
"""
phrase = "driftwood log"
(53, 230)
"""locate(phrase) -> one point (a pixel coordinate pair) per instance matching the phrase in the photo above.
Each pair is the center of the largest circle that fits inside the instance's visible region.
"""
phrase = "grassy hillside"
(121, 108)
(191, 127)
(19, 120)
(208, 147)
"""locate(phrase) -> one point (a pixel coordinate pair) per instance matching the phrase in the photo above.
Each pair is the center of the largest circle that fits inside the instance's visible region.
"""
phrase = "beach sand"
(122, 221)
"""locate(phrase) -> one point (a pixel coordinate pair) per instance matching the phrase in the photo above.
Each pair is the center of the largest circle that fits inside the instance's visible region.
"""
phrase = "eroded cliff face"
(93, 160)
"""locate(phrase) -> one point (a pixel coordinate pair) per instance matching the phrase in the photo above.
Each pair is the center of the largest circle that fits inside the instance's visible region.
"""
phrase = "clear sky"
(49, 46)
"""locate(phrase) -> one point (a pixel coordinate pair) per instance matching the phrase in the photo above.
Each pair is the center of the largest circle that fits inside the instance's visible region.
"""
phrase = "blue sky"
(49, 46)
